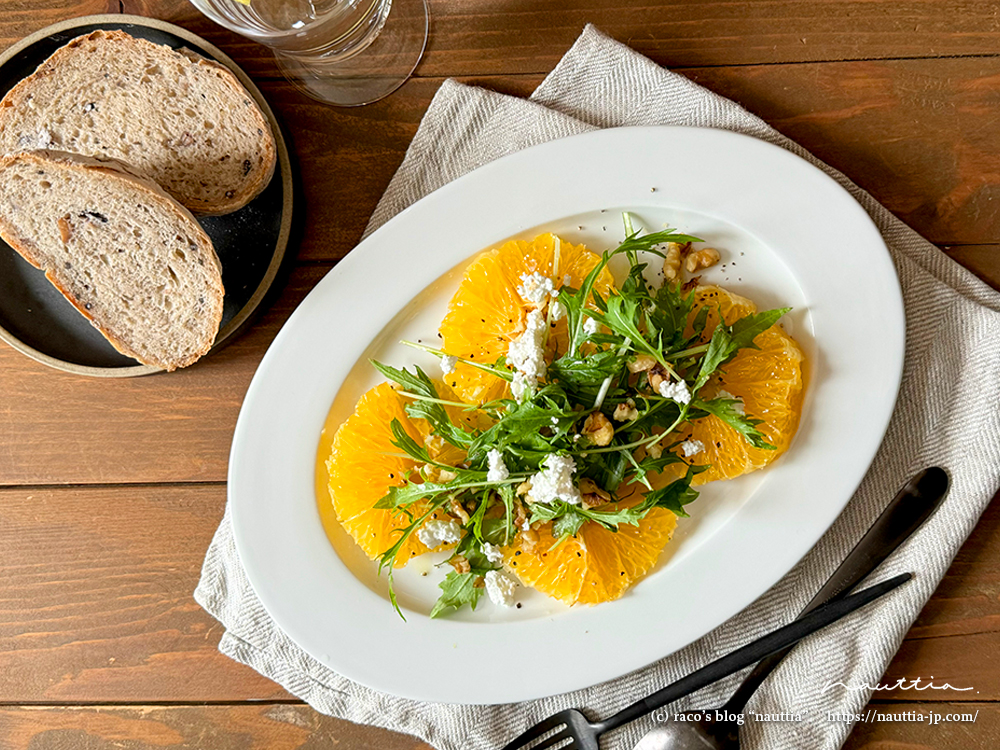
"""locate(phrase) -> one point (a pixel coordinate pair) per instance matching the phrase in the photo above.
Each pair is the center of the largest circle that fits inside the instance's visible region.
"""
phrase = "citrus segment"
(769, 382)
(487, 312)
(364, 464)
(716, 299)
(597, 565)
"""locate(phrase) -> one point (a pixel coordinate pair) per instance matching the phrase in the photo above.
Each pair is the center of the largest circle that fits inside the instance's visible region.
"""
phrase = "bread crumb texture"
(128, 256)
(183, 121)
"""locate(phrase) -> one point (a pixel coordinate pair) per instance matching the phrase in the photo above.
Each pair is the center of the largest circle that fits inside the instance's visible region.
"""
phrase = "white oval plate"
(789, 236)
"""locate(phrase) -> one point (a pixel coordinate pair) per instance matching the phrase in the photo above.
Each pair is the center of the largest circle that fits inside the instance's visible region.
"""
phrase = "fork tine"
(533, 733)
(556, 739)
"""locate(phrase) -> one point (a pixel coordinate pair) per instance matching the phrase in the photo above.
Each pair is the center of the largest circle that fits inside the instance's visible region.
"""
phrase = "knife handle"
(753, 652)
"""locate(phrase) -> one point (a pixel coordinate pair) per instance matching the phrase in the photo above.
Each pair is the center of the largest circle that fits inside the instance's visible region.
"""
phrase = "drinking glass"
(342, 52)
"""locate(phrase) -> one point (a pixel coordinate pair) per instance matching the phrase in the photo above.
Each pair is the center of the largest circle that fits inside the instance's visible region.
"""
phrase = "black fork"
(571, 730)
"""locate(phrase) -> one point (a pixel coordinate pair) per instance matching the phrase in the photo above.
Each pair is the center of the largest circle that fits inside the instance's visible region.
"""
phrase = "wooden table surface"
(110, 490)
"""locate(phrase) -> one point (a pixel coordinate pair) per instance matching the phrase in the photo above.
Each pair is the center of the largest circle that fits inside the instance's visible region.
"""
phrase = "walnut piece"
(656, 376)
(672, 262)
(434, 443)
(625, 412)
(460, 564)
(706, 257)
(435, 474)
(598, 429)
(641, 363)
(457, 510)
(591, 495)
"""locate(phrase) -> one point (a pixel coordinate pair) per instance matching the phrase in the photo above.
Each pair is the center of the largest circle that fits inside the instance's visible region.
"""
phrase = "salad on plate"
(570, 421)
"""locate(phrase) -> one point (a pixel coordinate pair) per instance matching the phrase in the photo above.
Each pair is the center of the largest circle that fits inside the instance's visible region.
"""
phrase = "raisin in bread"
(181, 120)
(126, 254)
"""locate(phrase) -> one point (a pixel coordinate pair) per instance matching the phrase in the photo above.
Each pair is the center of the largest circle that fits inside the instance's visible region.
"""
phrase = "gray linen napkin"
(947, 415)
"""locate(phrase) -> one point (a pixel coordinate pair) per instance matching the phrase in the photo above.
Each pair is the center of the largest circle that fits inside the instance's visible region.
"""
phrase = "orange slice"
(716, 299)
(768, 380)
(364, 464)
(487, 313)
(597, 565)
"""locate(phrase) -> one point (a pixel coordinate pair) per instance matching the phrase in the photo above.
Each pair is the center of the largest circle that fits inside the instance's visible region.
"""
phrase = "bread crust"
(241, 194)
(26, 248)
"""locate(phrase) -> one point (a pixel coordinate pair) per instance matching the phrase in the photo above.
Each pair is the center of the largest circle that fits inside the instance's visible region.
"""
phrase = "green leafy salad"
(577, 428)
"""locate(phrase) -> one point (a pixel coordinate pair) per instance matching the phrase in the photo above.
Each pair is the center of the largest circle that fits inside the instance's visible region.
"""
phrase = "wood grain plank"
(172, 427)
(177, 427)
(348, 156)
(473, 37)
(96, 604)
(241, 727)
(951, 726)
(967, 601)
(922, 136)
(21, 17)
(982, 260)
(97, 598)
(970, 660)
(955, 639)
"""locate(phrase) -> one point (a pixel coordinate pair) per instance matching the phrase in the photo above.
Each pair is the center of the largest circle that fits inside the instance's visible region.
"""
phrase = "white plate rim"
(278, 547)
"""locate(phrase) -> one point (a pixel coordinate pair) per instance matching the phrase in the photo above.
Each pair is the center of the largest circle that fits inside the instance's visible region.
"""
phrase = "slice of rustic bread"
(181, 120)
(126, 254)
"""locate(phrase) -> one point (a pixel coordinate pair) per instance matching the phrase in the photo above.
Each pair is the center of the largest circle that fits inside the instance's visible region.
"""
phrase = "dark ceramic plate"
(37, 320)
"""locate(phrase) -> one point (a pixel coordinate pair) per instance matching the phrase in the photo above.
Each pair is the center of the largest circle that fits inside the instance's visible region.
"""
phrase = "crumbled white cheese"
(492, 553)
(497, 470)
(677, 391)
(536, 288)
(519, 386)
(555, 481)
(500, 588)
(448, 363)
(738, 406)
(527, 355)
(692, 447)
(525, 524)
(555, 420)
(556, 310)
(590, 326)
(435, 533)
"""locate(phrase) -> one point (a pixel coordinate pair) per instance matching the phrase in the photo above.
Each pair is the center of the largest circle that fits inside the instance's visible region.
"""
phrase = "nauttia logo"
(903, 683)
